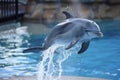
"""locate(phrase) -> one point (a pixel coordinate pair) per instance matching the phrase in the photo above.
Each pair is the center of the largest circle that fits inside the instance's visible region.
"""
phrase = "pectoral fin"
(72, 44)
(84, 47)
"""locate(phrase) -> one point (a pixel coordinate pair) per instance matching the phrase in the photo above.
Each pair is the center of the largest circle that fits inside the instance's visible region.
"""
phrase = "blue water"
(102, 59)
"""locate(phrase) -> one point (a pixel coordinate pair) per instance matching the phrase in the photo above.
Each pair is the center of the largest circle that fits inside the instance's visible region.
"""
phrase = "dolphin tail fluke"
(33, 49)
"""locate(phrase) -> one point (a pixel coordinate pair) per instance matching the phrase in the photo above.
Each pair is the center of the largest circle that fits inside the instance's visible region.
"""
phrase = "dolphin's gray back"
(63, 27)
(57, 30)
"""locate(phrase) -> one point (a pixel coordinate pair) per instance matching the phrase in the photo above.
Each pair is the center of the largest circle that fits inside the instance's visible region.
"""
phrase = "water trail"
(76, 8)
(64, 56)
(50, 68)
(91, 13)
(46, 66)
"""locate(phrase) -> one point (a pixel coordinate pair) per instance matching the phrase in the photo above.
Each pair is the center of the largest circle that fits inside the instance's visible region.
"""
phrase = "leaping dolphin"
(69, 32)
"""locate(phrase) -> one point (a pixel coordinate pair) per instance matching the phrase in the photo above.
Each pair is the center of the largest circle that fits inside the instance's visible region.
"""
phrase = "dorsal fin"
(68, 15)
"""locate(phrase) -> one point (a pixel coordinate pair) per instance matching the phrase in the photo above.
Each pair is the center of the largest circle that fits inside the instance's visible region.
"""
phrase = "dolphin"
(67, 33)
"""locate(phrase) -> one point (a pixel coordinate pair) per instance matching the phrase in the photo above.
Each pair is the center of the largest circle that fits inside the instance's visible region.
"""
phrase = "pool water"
(102, 59)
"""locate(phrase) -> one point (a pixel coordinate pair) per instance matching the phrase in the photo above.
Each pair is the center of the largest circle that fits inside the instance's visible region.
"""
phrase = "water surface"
(102, 59)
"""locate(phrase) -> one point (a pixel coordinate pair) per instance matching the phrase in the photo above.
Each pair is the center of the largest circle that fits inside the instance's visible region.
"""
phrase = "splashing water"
(49, 66)
(11, 40)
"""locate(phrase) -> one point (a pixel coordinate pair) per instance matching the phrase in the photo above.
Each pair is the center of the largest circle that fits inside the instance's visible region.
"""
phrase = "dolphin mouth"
(98, 33)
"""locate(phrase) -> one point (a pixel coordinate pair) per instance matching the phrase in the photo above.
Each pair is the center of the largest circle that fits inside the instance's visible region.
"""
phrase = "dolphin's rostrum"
(67, 33)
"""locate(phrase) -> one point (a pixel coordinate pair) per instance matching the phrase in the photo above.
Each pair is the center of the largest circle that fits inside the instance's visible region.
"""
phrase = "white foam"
(47, 67)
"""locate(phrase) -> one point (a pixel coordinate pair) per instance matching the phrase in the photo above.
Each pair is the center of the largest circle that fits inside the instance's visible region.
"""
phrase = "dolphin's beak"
(99, 34)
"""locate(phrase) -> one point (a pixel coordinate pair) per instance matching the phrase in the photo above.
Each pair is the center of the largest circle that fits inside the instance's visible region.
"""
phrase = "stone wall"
(52, 11)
